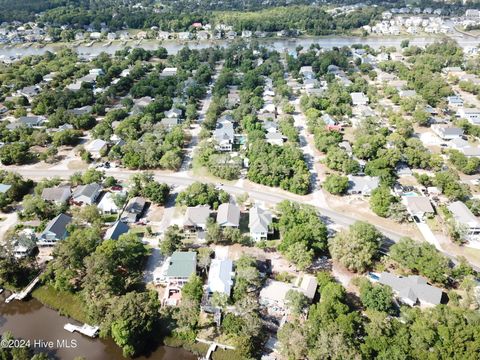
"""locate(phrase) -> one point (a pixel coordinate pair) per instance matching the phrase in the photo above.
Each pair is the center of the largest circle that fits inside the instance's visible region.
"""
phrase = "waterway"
(30, 320)
(279, 44)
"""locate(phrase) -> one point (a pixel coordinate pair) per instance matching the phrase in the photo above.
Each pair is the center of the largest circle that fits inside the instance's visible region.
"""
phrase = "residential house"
(308, 286)
(134, 209)
(455, 101)
(307, 72)
(55, 230)
(447, 132)
(196, 218)
(247, 34)
(170, 122)
(31, 121)
(470, 114)
(58, 195)
(275, 138)
(87, 109)
(86, 194)
(362, 185)
(418, 206)
(116, 230)
(228, 215)
(173, 113)
(466, 220)
(169, 71)
(107, 204)
(224, 135)
(465, 147)
(230, 35)
(202, 35)
(24, 243)
(359, 98)
(259, 223)
(29, 92)
(181, 265)
(96, 148)
(220, 277)
(412, 289)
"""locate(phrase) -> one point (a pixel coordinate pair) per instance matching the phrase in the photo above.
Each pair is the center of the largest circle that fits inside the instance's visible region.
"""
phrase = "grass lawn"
(66, 303)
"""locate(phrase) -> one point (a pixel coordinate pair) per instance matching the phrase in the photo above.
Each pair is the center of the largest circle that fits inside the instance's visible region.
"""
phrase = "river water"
(35, 322)
(173, 46)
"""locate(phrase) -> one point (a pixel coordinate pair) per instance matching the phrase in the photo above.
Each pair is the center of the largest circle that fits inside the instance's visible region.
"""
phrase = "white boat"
(1, 290)
(10, 298)
(85, 329)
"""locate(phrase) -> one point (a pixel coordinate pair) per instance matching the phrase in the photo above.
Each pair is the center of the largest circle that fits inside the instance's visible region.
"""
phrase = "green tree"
(336, 184)
(356, 247)
(381, 201)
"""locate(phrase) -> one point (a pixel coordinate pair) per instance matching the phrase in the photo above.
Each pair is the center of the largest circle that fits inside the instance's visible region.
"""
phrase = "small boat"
(1, 290)
(85, 329)
(10, 298)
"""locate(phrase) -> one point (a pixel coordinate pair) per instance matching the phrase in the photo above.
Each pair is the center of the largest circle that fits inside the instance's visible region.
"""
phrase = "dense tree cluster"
(303, 233)
(202, 194)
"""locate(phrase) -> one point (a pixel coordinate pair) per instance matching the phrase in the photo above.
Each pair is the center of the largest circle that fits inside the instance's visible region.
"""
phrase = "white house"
(455, 101)
(447, 132)
(464, 218)
(359, 98)
(96, 148)
(470, 114)
(220, 277)
(259, 223)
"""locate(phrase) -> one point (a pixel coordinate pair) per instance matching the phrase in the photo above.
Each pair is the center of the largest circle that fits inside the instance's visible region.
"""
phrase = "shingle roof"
(135, 205)
(259, 220)
(419, 204)
(58, 225)
(117, 229)
(412, 288)
(197, 215)
(228, 214)
(462, 214)
(58, 194)
(88, 190)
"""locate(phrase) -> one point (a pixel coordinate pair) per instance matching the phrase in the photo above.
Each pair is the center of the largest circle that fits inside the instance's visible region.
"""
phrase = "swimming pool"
(410, 194)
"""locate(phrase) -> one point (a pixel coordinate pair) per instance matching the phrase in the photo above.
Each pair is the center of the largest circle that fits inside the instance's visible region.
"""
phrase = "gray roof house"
(259, 223)
(447, 132)
(228, 215)
(465, 218)
(418, 206)
(412, 289)
(134, 209)
(31, 121)
(224, 135)
(4, 188)
(59, 194)
(55, 230)
(362, 185)
(86, 194)
(196, 217)
(117, 229)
